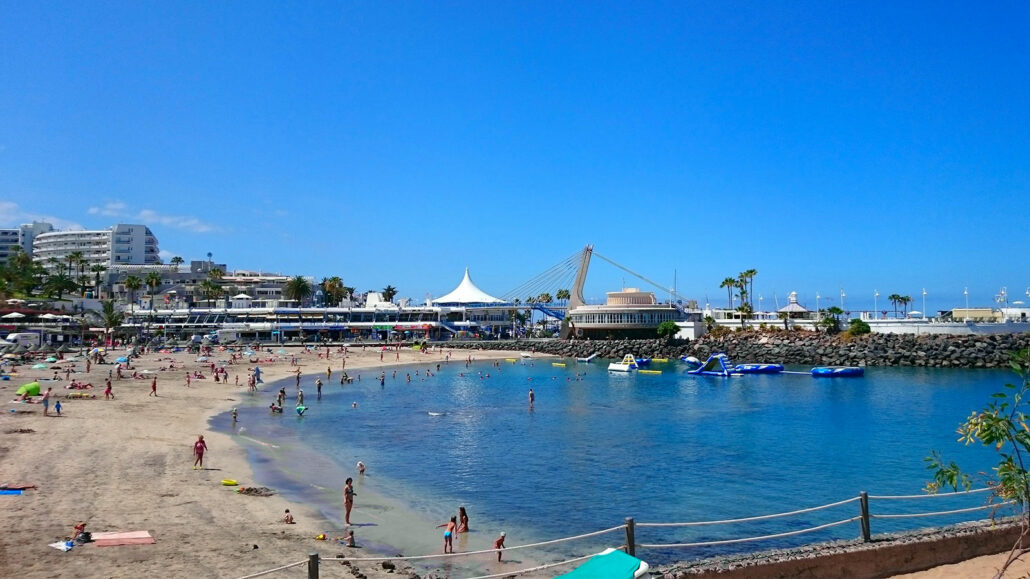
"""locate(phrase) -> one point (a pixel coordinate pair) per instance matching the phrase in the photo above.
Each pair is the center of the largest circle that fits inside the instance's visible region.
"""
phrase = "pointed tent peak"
(467, 293)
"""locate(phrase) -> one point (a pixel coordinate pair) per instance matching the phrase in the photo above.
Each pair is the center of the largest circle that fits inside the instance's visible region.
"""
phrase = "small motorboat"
(628, 363)
(838, 372)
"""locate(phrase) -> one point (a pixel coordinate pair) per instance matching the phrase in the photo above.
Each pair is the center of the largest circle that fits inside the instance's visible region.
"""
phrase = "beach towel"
(62, 545)
(127, 538)
(10, 491)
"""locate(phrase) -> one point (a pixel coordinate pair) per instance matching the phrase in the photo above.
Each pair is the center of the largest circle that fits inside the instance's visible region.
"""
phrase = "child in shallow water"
(448, 534)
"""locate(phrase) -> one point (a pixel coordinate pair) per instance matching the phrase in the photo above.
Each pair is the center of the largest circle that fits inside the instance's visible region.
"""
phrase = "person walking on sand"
(199, 448)
(188, 379)
(46, 402)
(108, 394)
(348, 498)
(499, 545)
(153, 387)
(448, 534)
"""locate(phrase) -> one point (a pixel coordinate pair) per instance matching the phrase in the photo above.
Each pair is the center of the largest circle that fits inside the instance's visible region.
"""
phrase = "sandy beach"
(126, 465)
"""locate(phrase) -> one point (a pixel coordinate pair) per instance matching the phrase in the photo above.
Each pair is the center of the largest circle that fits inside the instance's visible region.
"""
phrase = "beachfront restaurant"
(630, 313)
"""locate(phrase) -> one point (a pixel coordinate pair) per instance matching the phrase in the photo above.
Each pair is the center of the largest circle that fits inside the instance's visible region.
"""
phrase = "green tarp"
(30, 389)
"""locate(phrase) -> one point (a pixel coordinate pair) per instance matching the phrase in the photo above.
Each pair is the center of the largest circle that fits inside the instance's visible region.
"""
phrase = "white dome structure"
(467, 293)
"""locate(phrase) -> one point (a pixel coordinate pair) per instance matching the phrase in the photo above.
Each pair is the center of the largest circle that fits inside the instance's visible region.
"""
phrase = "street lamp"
(817, 310)
(966, 293)
(924, 303)
(842, 298)
(876, 294)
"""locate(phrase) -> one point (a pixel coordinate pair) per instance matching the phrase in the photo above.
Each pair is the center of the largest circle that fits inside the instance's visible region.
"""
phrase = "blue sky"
(828, 145)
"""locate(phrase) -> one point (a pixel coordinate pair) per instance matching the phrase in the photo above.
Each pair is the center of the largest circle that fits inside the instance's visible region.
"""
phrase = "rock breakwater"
(807, 348)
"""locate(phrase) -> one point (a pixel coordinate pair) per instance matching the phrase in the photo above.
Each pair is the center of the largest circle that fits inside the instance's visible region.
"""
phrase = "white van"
(24, 338)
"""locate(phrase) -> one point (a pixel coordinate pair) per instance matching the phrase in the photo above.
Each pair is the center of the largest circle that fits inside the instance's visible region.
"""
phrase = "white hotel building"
(122, 244)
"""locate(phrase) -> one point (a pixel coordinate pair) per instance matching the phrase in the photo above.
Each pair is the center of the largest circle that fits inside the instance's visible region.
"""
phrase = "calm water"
(598, 447)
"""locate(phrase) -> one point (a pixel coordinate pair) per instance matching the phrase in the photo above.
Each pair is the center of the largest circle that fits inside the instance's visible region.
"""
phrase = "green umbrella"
(51, 359)
(30, 389)
(39, 367)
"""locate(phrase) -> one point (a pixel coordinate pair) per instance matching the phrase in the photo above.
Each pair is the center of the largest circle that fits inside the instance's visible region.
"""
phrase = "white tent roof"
(242, 297)
(467, 293)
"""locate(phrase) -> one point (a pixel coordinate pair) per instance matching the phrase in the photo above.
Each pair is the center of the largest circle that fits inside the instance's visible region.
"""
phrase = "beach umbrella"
(12, 315)
(51, 359)
(30, 389)
(64, 349)
(21, 348)
(39, 367)
(49, 316)
(33, 348)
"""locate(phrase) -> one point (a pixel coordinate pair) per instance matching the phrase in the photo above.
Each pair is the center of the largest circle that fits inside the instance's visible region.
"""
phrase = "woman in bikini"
(348, 498)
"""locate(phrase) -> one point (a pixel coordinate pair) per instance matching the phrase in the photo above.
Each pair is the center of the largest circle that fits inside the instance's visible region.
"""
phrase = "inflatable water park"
(720, 365)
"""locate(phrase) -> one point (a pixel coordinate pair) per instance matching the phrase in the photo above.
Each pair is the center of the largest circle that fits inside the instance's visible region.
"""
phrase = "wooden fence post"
(313, 566)
(631, 547)
(864, 501)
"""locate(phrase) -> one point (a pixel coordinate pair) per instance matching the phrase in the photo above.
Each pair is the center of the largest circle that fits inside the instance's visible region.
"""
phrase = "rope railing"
(537, 568)
(629, 527)
(276, 570)
(748, 539)
(749, 519)
(939, 513)
(482, 551)
(933, 496)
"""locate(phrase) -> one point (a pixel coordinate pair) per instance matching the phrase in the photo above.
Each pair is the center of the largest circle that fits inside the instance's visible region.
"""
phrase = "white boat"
(629, 362)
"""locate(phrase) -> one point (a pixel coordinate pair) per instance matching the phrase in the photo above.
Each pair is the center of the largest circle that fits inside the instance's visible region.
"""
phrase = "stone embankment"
(806, 348)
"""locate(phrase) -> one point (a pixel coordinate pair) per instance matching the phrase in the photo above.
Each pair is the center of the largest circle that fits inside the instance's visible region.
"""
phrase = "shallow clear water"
(599, 447)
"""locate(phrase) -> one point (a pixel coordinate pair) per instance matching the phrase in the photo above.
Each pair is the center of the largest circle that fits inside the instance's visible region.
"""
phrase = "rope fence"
(864, 517)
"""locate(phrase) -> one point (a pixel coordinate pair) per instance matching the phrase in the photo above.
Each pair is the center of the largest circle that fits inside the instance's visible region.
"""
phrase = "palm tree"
(176, 261)
(132, 283)
(389, 292)
(333, 288)
(750, 274)
(745, 311)
(73, 259)
(153, 281)
(895, 299)
(904, 301)
(544, 298)
(563, 294)
(784, 316)
(56, 285)
(111, 316)
(730, 284)
(97, 269)
(297, 288)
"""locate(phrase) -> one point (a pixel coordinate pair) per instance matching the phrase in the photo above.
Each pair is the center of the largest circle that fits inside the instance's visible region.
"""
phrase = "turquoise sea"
(598, 447)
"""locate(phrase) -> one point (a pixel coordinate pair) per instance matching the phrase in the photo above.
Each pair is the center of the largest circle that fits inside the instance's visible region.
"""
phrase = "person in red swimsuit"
(199, 447)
